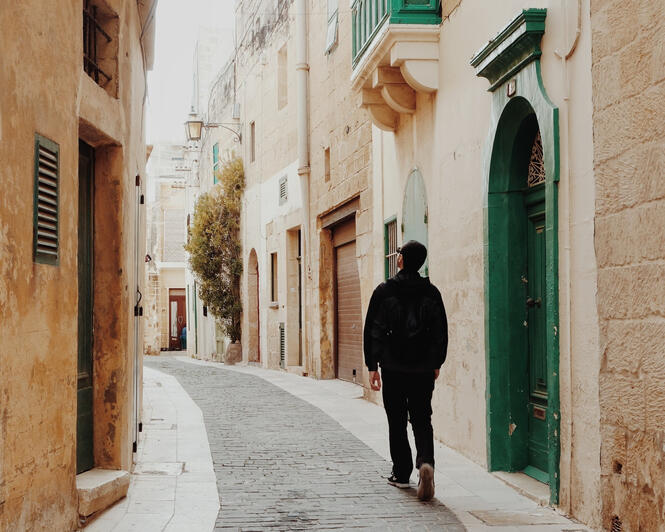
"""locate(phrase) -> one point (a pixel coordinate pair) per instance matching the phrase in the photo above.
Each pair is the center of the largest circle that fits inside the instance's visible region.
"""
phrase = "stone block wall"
(629, 158)
(337, 124)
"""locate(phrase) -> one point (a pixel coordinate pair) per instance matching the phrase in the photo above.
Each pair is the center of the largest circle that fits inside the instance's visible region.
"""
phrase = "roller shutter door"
(349, 318)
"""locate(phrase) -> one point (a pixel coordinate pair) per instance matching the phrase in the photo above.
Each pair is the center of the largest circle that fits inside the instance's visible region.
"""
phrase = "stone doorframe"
(511, 62)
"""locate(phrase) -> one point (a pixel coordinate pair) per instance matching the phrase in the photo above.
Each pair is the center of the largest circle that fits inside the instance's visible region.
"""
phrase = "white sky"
(170, 82)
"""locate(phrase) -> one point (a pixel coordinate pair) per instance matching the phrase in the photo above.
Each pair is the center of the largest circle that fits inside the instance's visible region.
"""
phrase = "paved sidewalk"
(173, 487)
(283, 461)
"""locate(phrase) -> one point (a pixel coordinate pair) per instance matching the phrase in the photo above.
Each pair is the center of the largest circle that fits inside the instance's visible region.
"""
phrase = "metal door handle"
(530, 302)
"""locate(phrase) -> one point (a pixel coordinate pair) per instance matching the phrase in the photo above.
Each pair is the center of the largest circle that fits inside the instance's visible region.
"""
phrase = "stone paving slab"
(173, 486)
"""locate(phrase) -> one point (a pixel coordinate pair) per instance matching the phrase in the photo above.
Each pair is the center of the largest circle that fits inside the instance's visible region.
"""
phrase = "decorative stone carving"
(403, 60)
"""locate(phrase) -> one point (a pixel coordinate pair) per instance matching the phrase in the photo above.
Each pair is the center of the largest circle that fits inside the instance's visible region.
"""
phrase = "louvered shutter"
(283, 190)
(46, 208)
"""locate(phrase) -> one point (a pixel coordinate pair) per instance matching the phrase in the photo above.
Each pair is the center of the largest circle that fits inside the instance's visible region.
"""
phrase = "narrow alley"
(292, 454)
(246, 244)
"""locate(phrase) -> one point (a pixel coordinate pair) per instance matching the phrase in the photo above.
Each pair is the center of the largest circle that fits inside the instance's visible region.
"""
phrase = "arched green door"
(414, 212)
(519, 297)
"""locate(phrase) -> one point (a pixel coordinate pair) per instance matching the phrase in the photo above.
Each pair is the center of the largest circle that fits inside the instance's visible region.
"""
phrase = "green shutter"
(215, 161)
(46, 217)
(414, 213)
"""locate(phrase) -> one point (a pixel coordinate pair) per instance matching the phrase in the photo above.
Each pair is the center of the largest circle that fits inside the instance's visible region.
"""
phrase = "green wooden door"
(537, 341)
(84, 435)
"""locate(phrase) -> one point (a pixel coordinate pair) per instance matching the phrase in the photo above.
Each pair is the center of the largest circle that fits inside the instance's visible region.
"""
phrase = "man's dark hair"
(413, 255)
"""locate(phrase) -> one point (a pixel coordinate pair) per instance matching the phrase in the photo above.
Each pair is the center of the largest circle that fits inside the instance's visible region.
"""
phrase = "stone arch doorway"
(414, 212)
(522, 298)
(253, 309)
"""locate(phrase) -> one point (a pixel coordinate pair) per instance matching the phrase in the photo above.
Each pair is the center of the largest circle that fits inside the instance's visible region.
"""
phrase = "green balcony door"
(84, 424)
(536, 324)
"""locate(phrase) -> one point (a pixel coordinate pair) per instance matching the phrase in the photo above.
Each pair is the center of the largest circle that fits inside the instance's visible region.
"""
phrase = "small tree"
(215, 252)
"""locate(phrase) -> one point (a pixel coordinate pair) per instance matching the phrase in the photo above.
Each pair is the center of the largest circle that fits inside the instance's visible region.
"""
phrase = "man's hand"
(375, 380)
(436, 374)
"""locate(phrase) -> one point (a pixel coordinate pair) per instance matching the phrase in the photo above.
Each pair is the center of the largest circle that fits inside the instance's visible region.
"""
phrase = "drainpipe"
(564, 56)
(302, 74)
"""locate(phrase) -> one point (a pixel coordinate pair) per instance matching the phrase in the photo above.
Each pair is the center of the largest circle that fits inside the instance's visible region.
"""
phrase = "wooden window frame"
(252, 141)
(274, 270)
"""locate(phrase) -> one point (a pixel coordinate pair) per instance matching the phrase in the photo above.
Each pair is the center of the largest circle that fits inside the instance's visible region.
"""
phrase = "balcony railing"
(369, 16)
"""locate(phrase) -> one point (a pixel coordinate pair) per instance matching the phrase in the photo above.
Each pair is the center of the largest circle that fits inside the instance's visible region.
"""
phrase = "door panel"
(537, 339)
(349, 318)
(177, 317)
(84, 422)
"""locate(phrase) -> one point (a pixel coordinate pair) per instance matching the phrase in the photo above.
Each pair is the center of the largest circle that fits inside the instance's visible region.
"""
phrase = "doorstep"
(526, 485)
(100, 488)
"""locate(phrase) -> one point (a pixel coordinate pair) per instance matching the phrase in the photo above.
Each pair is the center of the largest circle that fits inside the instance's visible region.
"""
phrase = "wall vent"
(282, 347)
(617, 526)
(283, 190)
(46, 207)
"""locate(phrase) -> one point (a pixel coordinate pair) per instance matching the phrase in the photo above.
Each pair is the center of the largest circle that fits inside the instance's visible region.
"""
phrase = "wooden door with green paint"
(536, 323)
(84, 403)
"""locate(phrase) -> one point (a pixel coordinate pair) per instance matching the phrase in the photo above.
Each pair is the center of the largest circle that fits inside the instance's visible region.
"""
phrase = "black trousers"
(409, 393)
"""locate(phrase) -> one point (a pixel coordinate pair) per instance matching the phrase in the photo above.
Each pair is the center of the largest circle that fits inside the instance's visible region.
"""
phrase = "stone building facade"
(71, 253)
(165, 305)
(522, 147)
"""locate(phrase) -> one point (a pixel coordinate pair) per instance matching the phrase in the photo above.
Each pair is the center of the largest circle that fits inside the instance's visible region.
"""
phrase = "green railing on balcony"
(368, 16)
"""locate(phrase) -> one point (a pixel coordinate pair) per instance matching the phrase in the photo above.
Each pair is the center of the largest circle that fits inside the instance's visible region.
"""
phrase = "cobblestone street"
(282, 463)
(291, 453)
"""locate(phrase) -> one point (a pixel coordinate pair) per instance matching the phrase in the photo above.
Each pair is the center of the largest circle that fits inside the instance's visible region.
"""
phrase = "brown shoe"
(426, 482)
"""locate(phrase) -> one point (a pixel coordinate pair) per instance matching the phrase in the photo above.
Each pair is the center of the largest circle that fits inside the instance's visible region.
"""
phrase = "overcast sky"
(170, 82)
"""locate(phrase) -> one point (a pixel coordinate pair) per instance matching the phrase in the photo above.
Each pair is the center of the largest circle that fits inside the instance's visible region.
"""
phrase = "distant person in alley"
(183, 337)
(406, 333)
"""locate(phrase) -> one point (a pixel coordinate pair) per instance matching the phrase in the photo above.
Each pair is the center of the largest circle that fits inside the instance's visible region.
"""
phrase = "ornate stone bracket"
(403, 61)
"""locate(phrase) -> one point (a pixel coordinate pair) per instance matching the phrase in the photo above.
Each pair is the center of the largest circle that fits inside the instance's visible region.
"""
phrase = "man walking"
(406, 333)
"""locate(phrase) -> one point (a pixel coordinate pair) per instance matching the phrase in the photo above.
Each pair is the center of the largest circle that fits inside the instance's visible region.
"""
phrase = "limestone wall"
(336, 124)
(629, 162)
(44, 90)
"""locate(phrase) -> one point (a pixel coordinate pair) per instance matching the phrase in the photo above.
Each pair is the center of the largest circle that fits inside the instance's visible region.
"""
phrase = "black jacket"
(377, 351)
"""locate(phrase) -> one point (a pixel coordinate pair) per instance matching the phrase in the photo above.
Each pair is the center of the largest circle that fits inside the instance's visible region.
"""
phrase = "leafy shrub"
(215, 251)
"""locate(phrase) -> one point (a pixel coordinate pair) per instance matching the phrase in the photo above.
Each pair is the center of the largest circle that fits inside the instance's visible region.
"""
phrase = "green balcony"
(369, 18)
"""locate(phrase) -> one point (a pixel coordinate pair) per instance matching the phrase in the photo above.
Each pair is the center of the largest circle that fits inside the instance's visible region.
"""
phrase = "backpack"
(409, 324)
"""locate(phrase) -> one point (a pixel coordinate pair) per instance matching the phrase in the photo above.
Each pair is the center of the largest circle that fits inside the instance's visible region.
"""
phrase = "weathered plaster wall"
(628, 96)
(37, 302)
(43, 90)
(446, 140)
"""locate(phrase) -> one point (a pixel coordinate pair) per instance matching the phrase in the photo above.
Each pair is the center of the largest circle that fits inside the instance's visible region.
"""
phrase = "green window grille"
(390, 244)
(46, 220)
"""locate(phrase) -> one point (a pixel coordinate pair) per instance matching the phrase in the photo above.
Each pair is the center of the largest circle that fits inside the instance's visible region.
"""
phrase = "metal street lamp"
(194, 128)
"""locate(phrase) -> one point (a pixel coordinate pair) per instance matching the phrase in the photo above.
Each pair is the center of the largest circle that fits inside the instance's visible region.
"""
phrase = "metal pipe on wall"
(302, 74)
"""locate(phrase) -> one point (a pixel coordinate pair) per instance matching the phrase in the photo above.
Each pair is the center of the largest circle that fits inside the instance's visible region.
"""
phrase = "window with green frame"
(390, 246)
(215, 162)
